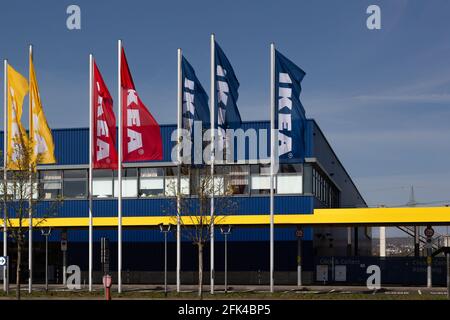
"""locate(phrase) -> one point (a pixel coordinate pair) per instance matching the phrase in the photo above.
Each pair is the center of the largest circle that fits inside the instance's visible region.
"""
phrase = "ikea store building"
(318, 181)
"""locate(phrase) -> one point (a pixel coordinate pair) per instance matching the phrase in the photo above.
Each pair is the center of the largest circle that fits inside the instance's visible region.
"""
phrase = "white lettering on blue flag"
(284, 119)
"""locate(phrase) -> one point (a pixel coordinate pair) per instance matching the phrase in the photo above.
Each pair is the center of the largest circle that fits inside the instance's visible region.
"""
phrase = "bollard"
(107, 282)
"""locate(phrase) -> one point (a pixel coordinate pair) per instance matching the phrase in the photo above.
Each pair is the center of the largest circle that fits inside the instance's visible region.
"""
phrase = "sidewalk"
(243, 288)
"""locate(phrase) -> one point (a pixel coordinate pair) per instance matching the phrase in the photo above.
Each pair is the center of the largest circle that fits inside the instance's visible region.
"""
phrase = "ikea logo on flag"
(188, 103)
(102, 129)
(133, 120)
(284, 114)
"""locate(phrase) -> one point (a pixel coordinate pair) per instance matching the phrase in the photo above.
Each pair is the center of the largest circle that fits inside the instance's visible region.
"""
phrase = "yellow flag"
(40, 134)
(17, 87)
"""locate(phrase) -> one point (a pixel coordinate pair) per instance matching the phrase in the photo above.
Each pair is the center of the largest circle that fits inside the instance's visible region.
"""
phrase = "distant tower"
(412, 199)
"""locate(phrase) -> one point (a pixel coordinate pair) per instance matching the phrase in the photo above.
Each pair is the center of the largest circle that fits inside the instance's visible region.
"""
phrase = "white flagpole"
(179, 126)
(272, 159)
(30, 211)
(5, 183)
(213, 150)
(91, 109)
(119, 171)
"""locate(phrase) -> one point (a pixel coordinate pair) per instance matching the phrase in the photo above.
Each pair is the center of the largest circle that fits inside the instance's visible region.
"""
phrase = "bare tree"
(20, 198)
(194, 210)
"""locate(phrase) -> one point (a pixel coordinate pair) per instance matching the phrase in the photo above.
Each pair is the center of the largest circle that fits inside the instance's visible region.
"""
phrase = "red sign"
(299, 233)
(141, 133)
(104, 125)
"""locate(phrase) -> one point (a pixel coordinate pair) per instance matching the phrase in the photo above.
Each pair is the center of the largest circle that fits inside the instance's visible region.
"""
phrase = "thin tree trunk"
(200, 270)
(19, 262)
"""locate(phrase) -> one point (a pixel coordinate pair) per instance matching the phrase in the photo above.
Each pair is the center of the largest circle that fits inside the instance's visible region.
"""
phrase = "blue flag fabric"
(195, 99)
(227, 85)
(290, 118)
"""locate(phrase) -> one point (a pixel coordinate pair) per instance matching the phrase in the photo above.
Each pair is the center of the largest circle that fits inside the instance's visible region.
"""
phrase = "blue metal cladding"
(155, 235)
(251, 205)
(71, 148)
(72, 144)
(69, 208)
(309, 138)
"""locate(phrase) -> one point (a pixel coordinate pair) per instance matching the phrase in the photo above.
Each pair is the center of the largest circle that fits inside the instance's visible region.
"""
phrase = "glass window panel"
(150, 187)
(218, 186)
(75, 184)
(289, 184)
(35, 190)
(102, 173)
(51, 175)
(129, 186)
(151, 182)
(102, 187)
(14, 189)
(75, 189)
(260, 184)
(264, 170)
(291, 168)
(75, 174)
(51, 184)
(238, 180)
(151, 172)
(170, 185)
(171, 171)
(51, 190)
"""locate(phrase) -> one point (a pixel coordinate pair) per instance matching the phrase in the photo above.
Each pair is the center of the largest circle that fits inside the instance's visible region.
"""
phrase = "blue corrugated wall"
(71, 148)
(72, 144)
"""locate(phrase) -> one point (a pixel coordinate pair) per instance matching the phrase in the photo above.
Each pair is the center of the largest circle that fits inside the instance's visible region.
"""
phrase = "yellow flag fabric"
(17, 87)
(40, 134)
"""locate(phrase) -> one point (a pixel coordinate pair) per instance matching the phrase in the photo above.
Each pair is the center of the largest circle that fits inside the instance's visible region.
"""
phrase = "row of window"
(162, 182)
(325, 190)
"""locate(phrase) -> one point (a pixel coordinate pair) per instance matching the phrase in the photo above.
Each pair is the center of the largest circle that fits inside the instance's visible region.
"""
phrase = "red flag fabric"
(141, 133)
(104, 124)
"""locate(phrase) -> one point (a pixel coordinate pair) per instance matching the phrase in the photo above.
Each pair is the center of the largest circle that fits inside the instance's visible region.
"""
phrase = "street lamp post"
(165, 229)
(46, 233)
(226, 230)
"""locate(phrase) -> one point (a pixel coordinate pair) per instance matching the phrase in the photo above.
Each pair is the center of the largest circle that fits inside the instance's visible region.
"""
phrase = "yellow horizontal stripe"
(362, 216)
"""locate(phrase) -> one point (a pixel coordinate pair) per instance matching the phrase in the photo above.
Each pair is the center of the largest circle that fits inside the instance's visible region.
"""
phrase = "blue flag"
(290, 119)
(195, 99)
(227, 85)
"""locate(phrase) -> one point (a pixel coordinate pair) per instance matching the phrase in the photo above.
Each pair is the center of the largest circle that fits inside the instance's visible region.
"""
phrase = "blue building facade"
(317, 181)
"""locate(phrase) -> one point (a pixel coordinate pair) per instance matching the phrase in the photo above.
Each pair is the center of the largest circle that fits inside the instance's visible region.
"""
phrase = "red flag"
(104, 124)
(141, 133)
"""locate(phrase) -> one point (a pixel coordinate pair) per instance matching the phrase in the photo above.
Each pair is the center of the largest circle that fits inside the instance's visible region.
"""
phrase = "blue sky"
(381, 97)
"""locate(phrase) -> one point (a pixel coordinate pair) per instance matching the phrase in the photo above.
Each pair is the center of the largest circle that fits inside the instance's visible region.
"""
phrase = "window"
(151, 182)
(102, 181)
(260, 179)
(75, 184)
(51, 181)
(325, 190)
(290, 179)
(289, 184)
(171, 181)
(129, 183)
(218, 188)
(236, 178)
(17, 188)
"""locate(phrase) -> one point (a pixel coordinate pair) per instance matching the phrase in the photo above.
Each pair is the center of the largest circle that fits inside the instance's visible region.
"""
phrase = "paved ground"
(245, 288)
